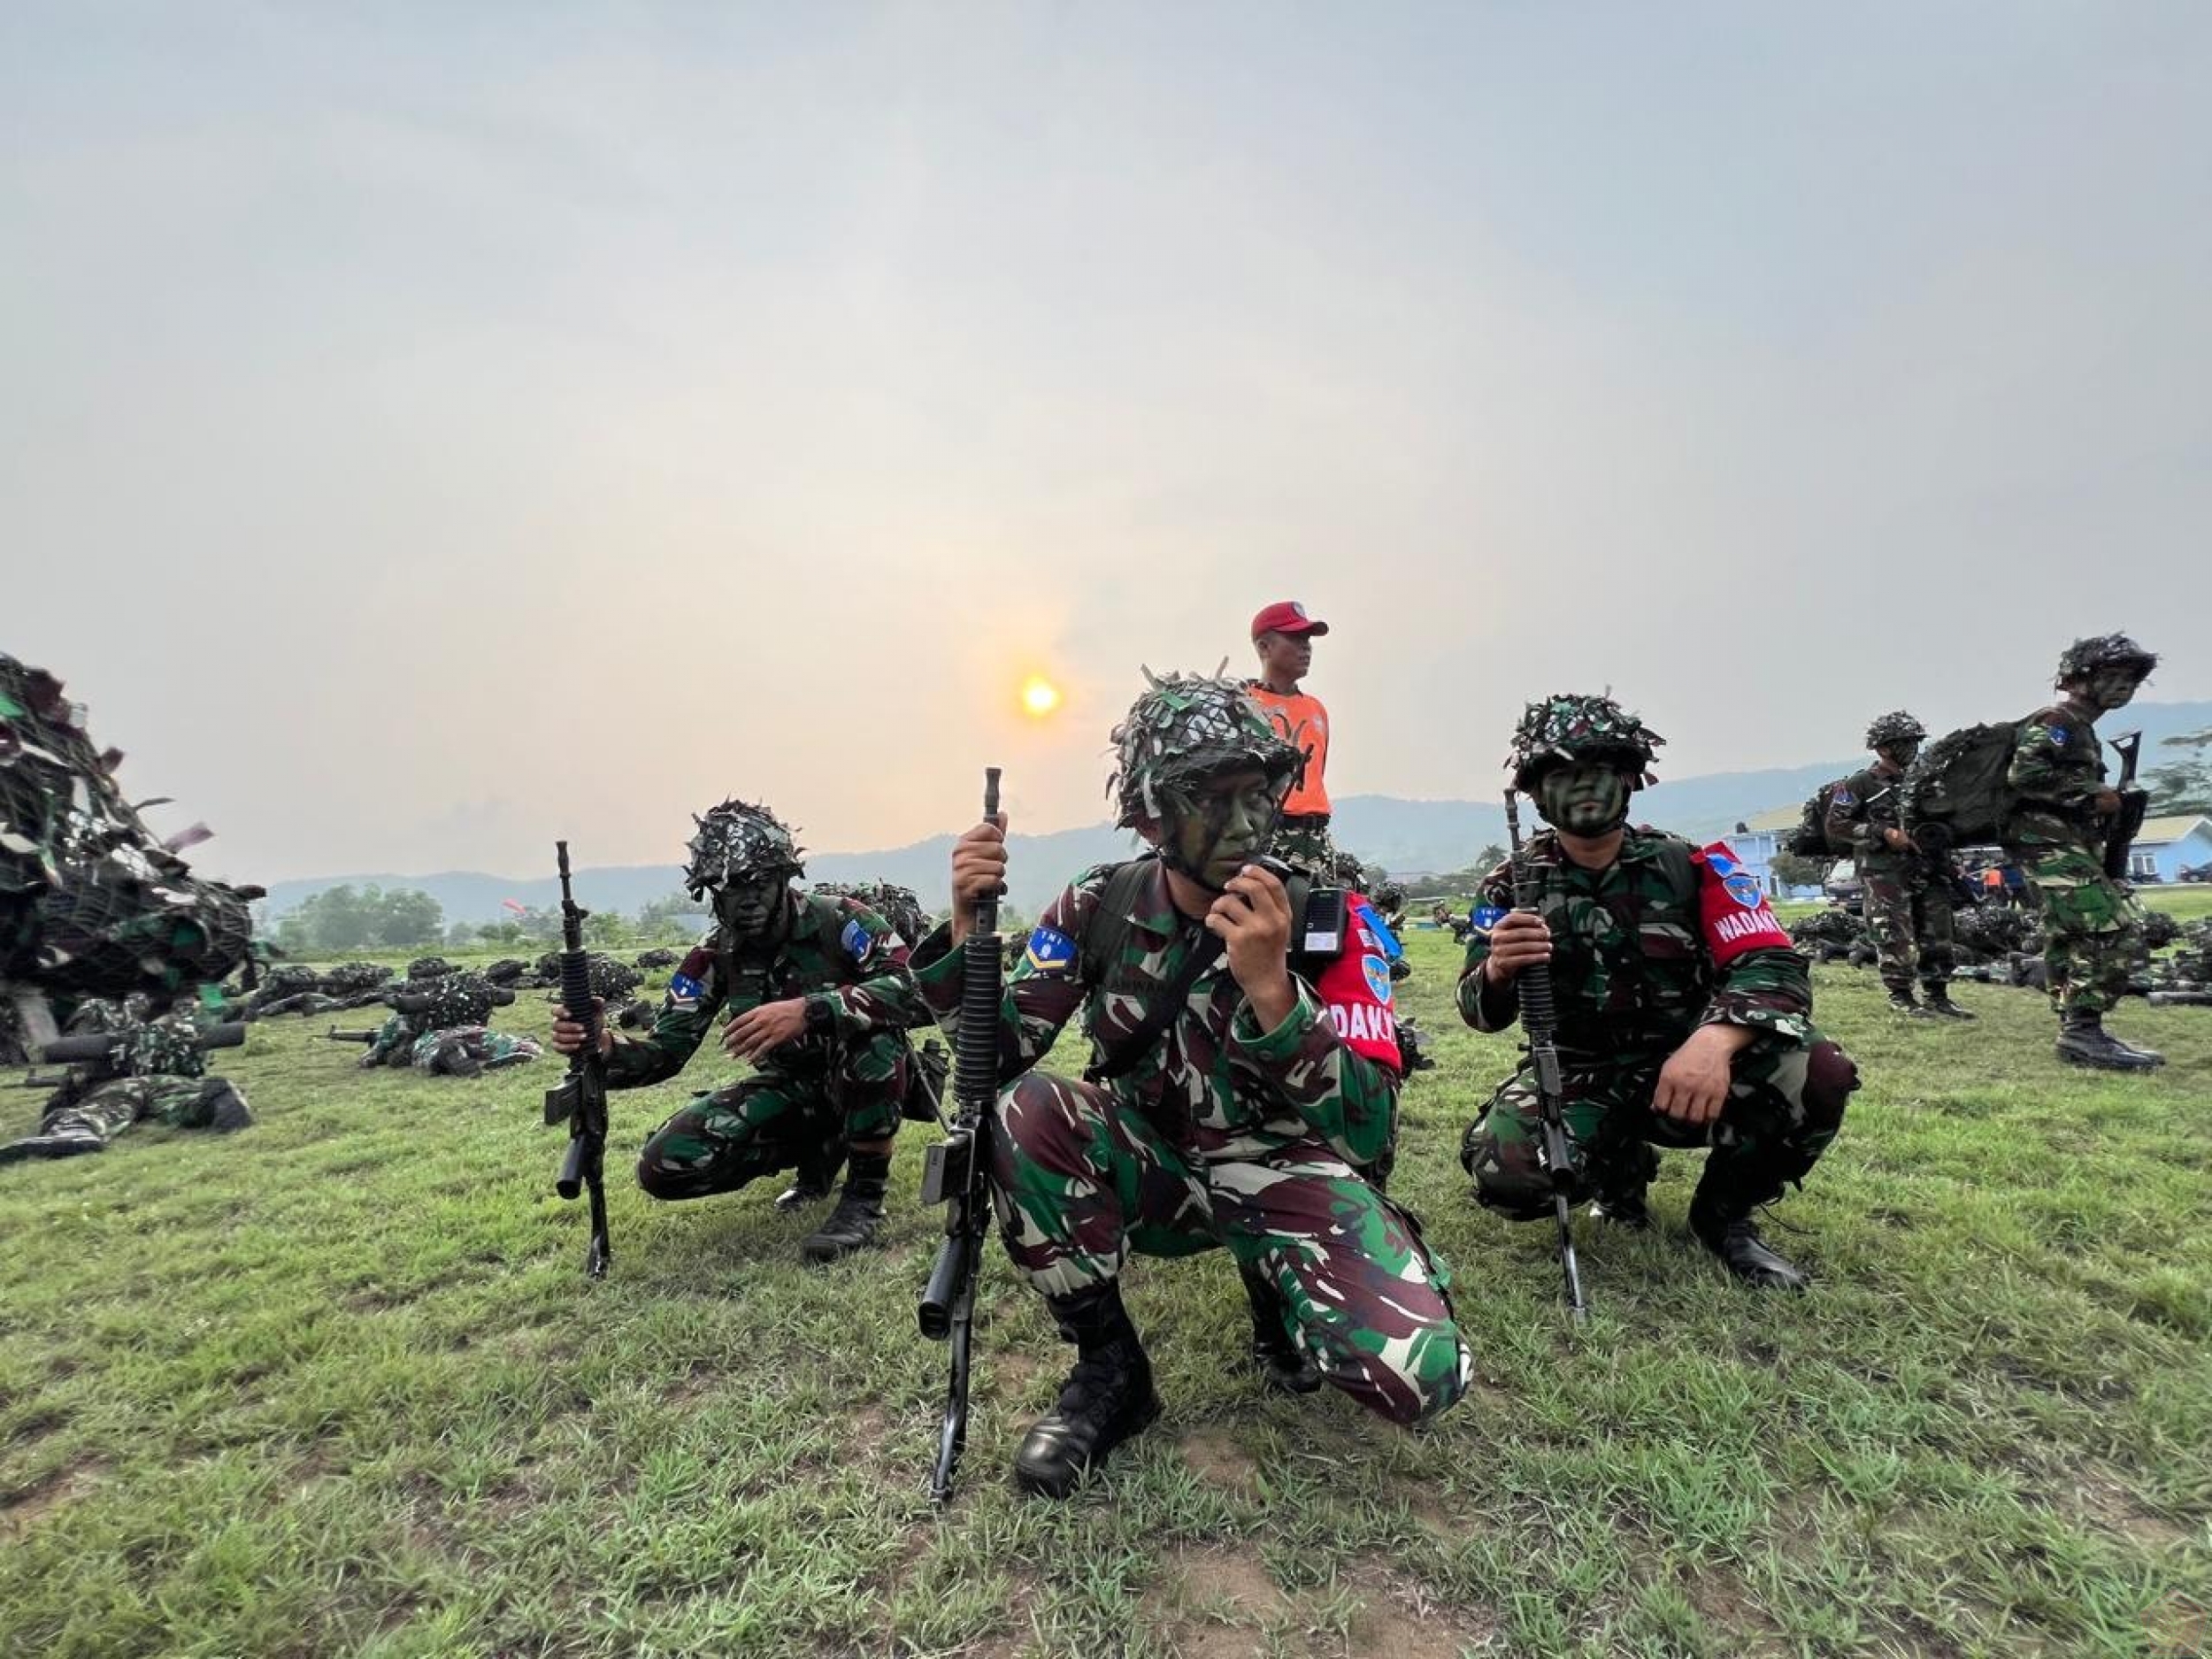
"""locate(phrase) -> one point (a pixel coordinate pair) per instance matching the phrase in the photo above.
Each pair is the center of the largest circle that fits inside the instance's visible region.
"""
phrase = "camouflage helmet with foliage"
(1571, 727)
(1184, 729)
(1896, 726)
(738, 842)
(2084, 657)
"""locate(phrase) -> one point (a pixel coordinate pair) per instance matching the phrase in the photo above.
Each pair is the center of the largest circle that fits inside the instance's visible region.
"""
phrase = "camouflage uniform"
(848, 1072)
(469, 1050)
(1634, 976)
(1664, 939)
(2091, 925)
(1907, 900)
(163, 1076)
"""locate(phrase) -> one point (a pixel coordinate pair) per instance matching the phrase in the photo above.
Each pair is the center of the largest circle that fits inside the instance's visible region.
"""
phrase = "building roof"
(2159, 830)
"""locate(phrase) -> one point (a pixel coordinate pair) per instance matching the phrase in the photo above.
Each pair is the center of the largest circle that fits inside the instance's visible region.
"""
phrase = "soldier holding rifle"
(1243, 1072)
(1684, 1018)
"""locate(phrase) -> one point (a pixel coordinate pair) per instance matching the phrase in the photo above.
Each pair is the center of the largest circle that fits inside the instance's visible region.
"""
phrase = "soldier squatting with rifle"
(1243, 1072)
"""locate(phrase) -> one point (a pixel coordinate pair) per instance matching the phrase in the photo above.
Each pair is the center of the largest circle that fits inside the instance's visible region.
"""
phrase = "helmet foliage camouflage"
(1895, 727)
(2084, 657)
(738, 841)
(1184, 729)
(1572, 728)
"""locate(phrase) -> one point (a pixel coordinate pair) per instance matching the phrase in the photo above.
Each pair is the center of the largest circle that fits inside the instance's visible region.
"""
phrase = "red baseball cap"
(1286, 616)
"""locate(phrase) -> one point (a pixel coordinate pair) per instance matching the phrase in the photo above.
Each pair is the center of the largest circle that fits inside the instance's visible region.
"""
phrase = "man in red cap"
(1283, 635)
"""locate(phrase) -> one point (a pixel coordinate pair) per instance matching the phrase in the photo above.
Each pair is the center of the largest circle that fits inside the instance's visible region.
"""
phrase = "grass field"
(337, 1385)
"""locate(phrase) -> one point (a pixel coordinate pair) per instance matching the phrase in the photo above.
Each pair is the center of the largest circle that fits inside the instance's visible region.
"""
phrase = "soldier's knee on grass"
(1509, 1182)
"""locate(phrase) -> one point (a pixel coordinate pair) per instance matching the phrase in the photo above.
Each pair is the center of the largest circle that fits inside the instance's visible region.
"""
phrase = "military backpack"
(1809, 838)
(1958, 790)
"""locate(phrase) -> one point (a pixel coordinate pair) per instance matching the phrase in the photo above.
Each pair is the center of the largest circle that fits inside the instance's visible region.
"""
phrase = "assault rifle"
(2134, 803)
(580, 1098)
(957, 1171)
(334, 1035)
(1540, 1019)
(95, 1056)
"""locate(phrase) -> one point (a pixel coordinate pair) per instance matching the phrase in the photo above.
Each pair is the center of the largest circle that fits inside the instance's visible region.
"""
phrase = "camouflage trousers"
(182, 1102)
(467, 1051)
(1909, 918)
(1081, 1179)
(1785, 1103)
(2092, 927)
(771, 1120)
(1303, 843)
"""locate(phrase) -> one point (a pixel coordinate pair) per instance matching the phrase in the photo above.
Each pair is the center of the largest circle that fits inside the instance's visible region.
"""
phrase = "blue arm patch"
(1487, 917)
(1050, 952)
(857, 941)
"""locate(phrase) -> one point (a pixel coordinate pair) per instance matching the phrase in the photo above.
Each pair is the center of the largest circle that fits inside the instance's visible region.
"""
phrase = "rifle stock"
(957, 1173)
(2134, 806)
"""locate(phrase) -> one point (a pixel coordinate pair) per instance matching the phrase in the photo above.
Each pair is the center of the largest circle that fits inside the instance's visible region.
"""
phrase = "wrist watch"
(821, 1017)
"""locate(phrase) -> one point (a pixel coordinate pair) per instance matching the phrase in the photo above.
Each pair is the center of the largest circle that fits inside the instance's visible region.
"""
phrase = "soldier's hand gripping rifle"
(957, 1173)
(580, 1098)
(2134, 802)
(1540, 1019)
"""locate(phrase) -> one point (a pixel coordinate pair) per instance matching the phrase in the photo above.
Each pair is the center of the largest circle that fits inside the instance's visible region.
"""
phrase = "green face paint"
(2111, 688)
(1584, 798)
(1222, 827)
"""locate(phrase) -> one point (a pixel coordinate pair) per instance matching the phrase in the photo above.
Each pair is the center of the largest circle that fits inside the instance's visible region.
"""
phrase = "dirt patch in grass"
(1400, 1618)
(2106, 1501)
(1724, 1603)
(1015, 1639)
(1014, 1372)
(1216, 1458)
(24, 1510)
(1218, 1603)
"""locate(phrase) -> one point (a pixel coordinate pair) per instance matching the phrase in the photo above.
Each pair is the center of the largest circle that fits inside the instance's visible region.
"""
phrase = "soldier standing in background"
(1283, 635)
(1907, 896)
(2091, 925)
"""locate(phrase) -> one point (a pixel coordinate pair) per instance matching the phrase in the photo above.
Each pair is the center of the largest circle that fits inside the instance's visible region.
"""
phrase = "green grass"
(335, 1386)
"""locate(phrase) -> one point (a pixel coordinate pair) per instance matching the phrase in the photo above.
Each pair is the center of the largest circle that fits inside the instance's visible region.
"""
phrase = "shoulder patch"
(1843, 796)
(2059, 734)
(1049, 951)
(1487, 917)
(1743, 887)
(856, 939)
(1378, 972)
(684, 991)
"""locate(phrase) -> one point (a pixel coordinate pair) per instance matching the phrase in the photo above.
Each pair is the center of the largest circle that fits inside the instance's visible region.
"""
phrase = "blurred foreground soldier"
(1685, 1017)
(1239, 1080)
(153, 1071)
(2064, 811)
(92, 903)
(1907, 895)
(1283, 636)
(820, 1000)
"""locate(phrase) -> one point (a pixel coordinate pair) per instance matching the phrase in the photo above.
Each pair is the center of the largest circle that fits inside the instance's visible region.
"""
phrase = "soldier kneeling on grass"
(1240, 1083)
(1685, 1018)
(820, 1000)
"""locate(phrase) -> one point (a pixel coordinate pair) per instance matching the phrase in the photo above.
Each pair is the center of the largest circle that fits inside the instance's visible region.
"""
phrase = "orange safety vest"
(1304, 723)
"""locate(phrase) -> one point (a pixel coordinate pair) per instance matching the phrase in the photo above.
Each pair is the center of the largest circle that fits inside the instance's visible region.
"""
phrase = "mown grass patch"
(337, 1385)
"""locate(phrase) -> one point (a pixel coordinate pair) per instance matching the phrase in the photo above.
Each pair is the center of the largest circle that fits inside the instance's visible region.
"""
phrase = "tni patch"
(1050, 952)
(857, 941)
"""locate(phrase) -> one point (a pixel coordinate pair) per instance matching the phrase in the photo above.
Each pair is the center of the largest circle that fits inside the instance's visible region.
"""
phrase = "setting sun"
(1040, 696)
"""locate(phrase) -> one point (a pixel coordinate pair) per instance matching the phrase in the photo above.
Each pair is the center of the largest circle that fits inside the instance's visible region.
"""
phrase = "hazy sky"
(430, 429)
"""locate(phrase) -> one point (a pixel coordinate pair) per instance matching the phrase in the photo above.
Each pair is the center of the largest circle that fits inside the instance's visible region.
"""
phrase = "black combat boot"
(1940, 1003)
(60, 1143)
(1280, 1360)
(817, 1173)
(1900, 999)
(858, 1216)
(1107, 1399)
(2083, 1040)
(1721, 1220)
(1622, 1183)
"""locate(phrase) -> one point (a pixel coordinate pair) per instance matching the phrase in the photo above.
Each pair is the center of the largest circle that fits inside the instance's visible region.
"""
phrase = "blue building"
(1757, 839)
(2167, 846)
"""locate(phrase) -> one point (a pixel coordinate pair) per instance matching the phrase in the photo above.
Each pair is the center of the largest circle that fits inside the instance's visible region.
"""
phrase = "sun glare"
(1040, 696)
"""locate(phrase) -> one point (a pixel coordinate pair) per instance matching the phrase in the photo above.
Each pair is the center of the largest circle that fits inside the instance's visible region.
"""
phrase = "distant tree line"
(343, 920)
